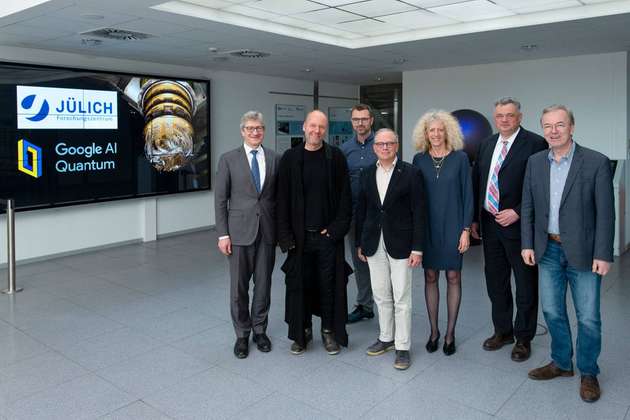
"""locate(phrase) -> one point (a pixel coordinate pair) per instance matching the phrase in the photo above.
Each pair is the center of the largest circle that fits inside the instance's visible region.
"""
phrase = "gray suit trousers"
(246, 262)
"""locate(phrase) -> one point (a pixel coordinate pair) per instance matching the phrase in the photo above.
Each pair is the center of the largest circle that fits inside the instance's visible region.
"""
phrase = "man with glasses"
(568, 222)
(314, 212)
(360, 155)
(244, 201)
(389, 237)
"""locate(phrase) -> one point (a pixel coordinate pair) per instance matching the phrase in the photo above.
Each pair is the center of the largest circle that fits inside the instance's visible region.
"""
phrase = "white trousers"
(391, 286)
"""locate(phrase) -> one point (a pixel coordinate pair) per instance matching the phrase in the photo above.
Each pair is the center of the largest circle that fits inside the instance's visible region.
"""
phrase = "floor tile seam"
(125, 358)
(138, 400)
(156, 409)
(453, 401)
(384, 398)
(86, 337)
(196, 357)
(446, 397)
(139, 356)
(155, 391)
(525, 380)
(366, 370)
(282, 394)
(47, 388)
(490, 364)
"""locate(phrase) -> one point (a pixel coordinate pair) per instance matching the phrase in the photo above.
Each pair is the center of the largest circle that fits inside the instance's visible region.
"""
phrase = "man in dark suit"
(244, 201)
(498, 183)
(389, 235)
(567, 225)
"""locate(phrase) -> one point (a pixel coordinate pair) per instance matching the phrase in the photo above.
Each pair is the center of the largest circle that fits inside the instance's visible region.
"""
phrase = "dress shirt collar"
(248, 149)
(378, 165)
(510, 139)
(568, 156)
(367, 141)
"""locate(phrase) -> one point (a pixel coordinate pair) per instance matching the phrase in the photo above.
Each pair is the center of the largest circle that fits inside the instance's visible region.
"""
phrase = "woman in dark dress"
(449, 196)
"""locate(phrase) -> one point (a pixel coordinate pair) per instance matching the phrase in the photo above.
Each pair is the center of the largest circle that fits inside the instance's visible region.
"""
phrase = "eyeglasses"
(258, 128)
(360, 120)
(384, 144)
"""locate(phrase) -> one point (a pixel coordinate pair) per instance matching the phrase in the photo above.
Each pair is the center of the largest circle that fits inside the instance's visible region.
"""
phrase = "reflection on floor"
(143, 332)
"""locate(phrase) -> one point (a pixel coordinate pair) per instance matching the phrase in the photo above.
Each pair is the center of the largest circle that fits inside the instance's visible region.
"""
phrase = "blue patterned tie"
(255, 171)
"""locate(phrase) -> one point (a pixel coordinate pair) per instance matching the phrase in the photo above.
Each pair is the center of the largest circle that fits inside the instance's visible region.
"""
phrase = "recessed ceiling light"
(400, 60)
(529, 47)
(307, 70)
(379, 78)
(92, 16)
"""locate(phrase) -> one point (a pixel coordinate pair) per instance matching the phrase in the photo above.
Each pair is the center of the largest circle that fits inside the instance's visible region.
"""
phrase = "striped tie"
(492, 198)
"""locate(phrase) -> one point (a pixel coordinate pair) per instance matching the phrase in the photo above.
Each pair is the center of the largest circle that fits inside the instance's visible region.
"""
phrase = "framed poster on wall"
(289, 121)
(339, 125)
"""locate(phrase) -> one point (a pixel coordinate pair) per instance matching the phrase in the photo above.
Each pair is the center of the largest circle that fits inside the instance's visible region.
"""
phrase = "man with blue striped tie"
(498, 174)
(245, 202)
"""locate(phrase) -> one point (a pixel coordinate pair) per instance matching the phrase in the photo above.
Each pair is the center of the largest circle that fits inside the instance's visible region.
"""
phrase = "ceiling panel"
(471, 11)
(369, 27)
(283, 7)
(550, 5)
(378, 7)
(329, 16)
(417, 20)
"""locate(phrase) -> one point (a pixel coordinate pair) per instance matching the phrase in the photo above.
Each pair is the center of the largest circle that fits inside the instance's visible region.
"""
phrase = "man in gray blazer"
(244, 202)
(567, 227)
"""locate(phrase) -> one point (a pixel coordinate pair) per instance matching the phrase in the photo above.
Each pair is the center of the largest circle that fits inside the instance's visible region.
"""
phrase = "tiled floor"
(143, 332)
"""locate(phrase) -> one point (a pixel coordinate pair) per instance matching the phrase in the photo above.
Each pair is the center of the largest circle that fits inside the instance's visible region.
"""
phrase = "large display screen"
(70, 136)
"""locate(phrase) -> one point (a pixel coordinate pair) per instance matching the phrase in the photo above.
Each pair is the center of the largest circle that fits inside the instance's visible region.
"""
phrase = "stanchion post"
(11, 289)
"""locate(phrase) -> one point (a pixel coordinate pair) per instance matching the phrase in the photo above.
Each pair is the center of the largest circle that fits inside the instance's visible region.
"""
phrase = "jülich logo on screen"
(51, 108)
(29, 158)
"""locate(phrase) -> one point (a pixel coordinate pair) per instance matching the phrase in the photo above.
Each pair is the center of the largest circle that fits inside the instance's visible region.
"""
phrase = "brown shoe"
(497, 341)
(589, 388)
(521, 351)
(549, 371)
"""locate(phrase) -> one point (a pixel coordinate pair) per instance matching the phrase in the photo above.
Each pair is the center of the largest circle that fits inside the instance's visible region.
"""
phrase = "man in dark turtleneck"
(314, 211)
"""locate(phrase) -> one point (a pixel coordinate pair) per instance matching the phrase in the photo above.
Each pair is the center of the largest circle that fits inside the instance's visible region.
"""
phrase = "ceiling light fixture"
(307, 70)
(379, 78)
(399, 60)
(118, 34)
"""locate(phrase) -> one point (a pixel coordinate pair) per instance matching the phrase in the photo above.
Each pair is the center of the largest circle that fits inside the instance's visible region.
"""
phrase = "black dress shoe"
(449, 348)
(241, 347)
(432, 345)
(262, 342)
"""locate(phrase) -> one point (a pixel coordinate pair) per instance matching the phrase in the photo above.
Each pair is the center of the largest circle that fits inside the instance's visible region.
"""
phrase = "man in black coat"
(498, 183)
(314, 209)
(389, 236)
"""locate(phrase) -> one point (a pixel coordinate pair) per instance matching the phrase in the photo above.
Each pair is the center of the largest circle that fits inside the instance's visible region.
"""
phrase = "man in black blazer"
(498, 183)
(567, 225)
(389, 232)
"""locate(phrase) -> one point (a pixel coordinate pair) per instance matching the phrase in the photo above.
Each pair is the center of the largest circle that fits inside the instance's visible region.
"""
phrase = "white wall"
(68, 229)
(594, 86)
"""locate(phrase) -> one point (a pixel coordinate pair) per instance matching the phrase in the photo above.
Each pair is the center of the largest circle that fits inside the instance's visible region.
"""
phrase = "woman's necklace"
(438, 162)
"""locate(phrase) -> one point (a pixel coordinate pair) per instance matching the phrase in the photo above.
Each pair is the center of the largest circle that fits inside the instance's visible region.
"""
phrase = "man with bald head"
(314, 209)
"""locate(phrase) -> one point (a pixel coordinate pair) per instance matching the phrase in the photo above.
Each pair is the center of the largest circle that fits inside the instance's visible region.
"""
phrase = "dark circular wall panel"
(475, 128)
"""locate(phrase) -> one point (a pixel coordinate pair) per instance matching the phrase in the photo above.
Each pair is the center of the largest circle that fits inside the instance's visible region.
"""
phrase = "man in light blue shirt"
(567, 228)
(360, 154)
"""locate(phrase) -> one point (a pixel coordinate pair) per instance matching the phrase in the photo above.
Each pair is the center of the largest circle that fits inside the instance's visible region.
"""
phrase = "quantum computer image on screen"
(70, 136)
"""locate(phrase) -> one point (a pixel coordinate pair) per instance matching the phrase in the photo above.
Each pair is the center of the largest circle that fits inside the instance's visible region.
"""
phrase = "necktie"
(255, 171)
(492, 199)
